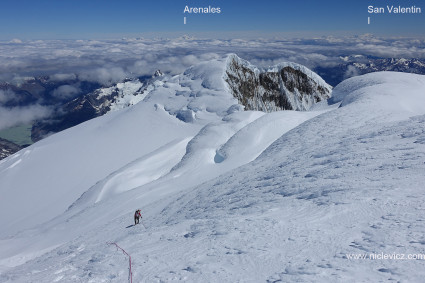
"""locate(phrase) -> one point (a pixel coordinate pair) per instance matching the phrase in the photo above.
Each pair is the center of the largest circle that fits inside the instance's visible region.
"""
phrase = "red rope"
(130, 273)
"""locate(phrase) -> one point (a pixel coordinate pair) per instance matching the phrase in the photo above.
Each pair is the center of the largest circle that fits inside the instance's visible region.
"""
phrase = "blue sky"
(62, 19)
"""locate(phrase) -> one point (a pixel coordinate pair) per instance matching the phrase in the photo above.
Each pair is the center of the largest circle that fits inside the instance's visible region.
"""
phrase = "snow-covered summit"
(214, 85)
(294, 90)
(400, 94)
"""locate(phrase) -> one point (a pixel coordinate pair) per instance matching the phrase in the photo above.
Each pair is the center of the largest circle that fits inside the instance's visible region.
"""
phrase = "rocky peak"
(157, 73)
(287, 86)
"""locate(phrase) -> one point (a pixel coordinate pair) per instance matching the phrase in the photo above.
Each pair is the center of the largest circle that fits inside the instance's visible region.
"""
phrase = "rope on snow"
(130, 273)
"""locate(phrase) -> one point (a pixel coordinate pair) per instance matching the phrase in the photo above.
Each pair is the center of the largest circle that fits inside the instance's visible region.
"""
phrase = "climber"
(137, 215)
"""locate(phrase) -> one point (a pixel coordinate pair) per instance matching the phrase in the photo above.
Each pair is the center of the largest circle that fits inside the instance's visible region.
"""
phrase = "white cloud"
(190, 60)
(62, 77)
(351, 71)
(105, 75)
(66, 91)
(10, 117)
(6, 96)
(67, 52)
(16, 41)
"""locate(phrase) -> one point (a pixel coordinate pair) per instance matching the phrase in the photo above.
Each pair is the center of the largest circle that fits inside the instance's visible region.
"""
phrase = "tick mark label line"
(184, 20)
(368, 20)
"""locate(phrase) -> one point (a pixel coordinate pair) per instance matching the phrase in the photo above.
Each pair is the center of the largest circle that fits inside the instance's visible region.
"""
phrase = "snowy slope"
(65, 165)
(231, 196)
(178, 127)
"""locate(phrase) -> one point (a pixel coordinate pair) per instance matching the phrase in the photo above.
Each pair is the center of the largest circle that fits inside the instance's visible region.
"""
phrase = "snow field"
(251, 197)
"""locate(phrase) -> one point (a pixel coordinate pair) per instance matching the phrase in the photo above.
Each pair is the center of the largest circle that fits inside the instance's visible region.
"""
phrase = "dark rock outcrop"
(287, 86)
(8, 148)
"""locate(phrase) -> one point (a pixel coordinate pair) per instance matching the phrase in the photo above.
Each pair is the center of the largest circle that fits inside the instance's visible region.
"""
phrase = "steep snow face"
(287, 86)
(199, 93)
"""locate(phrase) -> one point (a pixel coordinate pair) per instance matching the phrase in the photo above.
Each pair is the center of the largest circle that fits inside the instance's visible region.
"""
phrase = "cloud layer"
(110, 61)
(66, 91)
(10, 117)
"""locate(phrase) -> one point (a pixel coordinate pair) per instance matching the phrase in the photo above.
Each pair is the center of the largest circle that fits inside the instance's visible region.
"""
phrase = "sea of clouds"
(110, 61)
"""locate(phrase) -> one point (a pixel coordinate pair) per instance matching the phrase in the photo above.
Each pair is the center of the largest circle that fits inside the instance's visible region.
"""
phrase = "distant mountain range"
(41, 90)
(359, 65)
(89, 106)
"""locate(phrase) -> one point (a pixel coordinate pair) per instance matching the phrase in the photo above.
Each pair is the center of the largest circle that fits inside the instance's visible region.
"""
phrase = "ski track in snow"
(288, 207)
